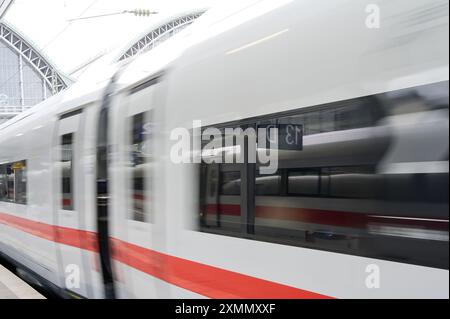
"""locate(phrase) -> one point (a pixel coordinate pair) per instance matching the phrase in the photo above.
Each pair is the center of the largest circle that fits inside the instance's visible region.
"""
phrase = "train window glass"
(313, 123)
(357, 211)
(268, 185)
(328, 120)
(13, 182)
(220, 183)
(353, 114)
(304, 182)
(436, 187)
(418, 99)
(358, 113)
(230, 183)
(220, 199)
(67, 142)
(334, 194)
(431, 188)
(353, 182)
(3, 183)
(10, 183)
(20, 181)
(140, 153)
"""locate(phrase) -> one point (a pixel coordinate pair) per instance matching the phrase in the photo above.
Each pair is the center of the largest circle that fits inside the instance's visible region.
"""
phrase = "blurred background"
(68, 43)
(46, 45)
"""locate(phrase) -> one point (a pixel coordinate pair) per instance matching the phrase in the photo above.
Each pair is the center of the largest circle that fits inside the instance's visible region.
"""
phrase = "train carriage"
(91, 204)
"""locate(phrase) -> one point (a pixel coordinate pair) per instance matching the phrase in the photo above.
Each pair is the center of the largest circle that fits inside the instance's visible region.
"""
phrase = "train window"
(221, 199)
(230, 183)
(417, 187)
(13, 182)
(418, 99)
(268, 185)
(140, 153)
(352, 182)
(358, 113)
(333, 194)
(304, 182)
(20, 181)
(3, 183)
(67, 171)
(10, 183)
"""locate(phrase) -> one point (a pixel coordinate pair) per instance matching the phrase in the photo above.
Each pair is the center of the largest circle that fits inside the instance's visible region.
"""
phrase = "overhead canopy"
(26, 76)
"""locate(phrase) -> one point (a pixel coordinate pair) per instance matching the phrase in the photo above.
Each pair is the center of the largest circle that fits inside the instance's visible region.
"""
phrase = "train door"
(138, 179)
(68, 204)
(117, 203)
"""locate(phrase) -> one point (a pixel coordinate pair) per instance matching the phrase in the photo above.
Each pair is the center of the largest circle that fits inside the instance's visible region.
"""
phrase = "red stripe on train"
(326, 217)
(63, 235)
(200, 278)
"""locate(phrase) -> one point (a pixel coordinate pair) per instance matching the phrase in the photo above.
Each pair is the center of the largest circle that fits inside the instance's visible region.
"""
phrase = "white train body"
(268, 60)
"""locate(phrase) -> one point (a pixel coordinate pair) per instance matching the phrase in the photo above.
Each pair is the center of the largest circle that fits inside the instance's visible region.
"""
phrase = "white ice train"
(360, 211)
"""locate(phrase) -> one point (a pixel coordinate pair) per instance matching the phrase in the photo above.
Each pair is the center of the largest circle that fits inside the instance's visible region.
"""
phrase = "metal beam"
(54, 80)
(159, 35)
(4, 5)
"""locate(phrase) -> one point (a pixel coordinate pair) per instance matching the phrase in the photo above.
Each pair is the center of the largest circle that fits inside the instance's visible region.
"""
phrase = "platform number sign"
(290, 136)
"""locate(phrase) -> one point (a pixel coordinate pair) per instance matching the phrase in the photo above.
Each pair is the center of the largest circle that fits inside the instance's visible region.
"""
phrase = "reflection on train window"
(268, 185)
(140, 154)
(13, 182)
(67, 202)
(352, 182)
(221, 199)
(3, 183)
(10, 183)
(20, 181)
(353, 114)
(337, 193)
(230, 183)
(304, 182)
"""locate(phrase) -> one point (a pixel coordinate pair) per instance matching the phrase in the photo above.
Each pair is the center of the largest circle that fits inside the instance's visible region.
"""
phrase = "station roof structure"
(161, 32)
(147, 40)
(27, 76)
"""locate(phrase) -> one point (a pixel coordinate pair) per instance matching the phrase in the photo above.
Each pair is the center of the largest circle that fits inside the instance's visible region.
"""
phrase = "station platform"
(12, 287)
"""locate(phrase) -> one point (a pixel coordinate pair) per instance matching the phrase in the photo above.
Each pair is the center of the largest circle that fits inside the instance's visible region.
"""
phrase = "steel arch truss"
(160, 34)
(45, 69)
